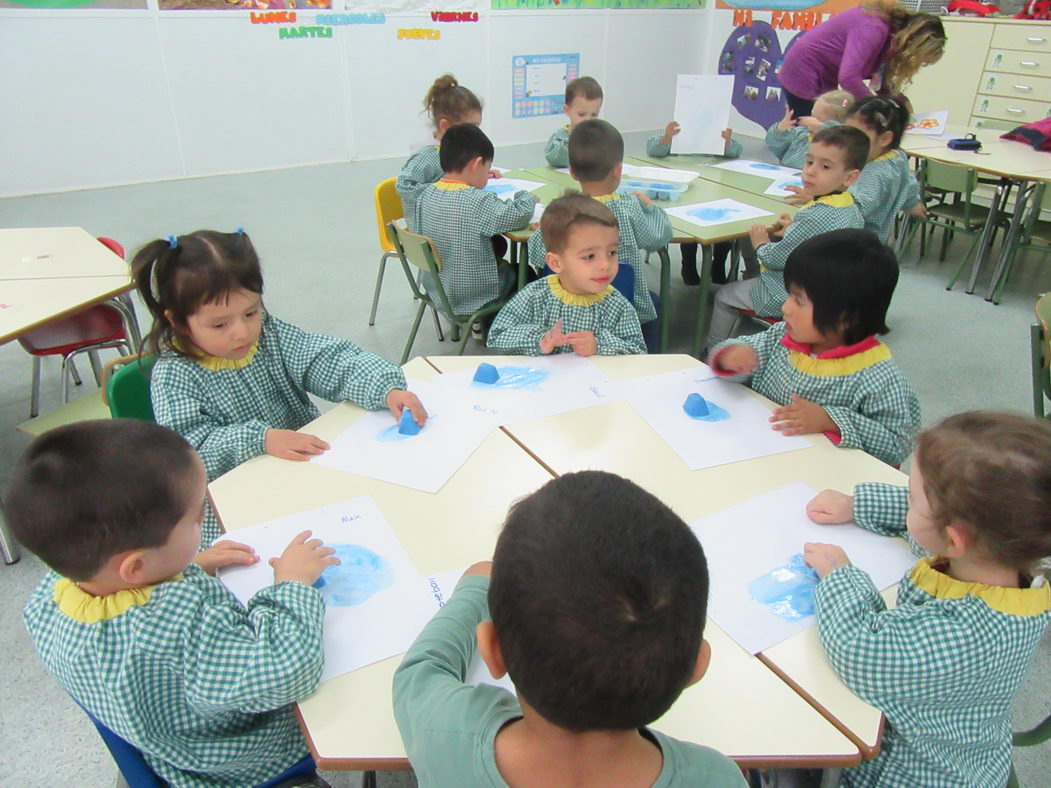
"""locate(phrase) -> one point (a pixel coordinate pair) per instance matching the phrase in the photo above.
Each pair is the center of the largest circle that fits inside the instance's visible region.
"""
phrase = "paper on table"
(737, 428)
(713, 212)
(375, 600)
(759, 168)
(702, 110)
(662, 174)
(538, 212)
(932, 123)
(506, 188)
(373, 447)
(748, 542)
(777, 188)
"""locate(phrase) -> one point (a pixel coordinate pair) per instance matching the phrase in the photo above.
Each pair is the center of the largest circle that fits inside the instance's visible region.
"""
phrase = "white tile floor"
(314, 228)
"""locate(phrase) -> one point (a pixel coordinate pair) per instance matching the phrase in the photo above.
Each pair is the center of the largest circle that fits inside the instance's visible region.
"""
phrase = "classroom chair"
(1038, 735)
(126, 387)
(1033, 229)
(1040, 355)
(89, 331)
(759, 321)
(388, 209)
(420, 251)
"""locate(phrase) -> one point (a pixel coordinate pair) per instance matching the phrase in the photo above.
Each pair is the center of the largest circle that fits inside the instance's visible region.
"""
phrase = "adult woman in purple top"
(885, 43)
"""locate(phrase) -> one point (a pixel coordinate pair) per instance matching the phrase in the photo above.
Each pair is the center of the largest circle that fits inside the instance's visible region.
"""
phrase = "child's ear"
(565, 108)
(704, 658)
(478, 163)
(132, 568)
(618, 168)
(852, 176)
(553, 262)
(959, 539)
(489, 649)
(442, 126)
(884, 139)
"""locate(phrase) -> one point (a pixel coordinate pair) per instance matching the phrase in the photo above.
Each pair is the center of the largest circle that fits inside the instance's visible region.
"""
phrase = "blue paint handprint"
(787, 590)
(361, 574)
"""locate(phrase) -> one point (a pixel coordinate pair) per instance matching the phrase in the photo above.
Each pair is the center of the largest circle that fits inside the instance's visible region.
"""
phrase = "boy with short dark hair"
(833, 163)
(134, 628)
(461, 217)
(576, 309)
(583, 102)
(599, 644)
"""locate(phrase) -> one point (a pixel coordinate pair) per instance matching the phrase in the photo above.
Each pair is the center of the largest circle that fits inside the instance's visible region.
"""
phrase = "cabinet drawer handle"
(1036, 39)
(1016, 111)
(1029, 63)
(1023, 87)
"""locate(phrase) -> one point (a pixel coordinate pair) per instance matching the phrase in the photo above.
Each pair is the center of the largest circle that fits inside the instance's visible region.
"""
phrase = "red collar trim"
(837, 352)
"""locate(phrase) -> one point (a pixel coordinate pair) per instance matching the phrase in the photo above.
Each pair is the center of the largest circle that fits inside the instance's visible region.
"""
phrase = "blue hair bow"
(172, 241)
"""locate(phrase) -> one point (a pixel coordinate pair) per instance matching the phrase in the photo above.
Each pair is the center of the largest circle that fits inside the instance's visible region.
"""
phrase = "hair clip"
(240, 230)
(172, 241)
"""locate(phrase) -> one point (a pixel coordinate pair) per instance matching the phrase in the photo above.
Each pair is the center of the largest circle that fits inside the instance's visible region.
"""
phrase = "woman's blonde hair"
(917, 40)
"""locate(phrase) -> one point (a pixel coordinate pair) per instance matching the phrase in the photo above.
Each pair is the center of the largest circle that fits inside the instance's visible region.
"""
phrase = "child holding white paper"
(583, 102)
(946, 663)
(233, 379)
(576, 309)
(130, 622)
(789, 139)
(824, 365)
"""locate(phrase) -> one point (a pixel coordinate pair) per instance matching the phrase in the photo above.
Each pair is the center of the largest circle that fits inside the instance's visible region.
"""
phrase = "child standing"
(596, 157)
(231, 378)
(576, 309)
(945, 664)
(789, 139)
(834, 162)
(136, 630)
(461, 217)
(824, 365)
(447, 103)
(599, 643)
(583, 102)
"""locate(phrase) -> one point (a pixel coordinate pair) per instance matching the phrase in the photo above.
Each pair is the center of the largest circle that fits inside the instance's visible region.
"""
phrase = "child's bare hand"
(831, 507)
(802, 417)
(482, 569)
(643, 198)
(786, 122)
(919, 210)
(399, 399)
(553, 338)
(812, 124)
(292, 445)
(824, 558)
(225, 553)
(495, 174)
(727, 135)
(738, 360)
(583, 343)
(758, 235)
(303, 560)
(799, 196)
(670, 131)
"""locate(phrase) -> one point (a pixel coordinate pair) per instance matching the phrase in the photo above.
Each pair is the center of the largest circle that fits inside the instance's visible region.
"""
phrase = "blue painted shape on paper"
(759, 165)
(788, 591)
(393, 433)
(527, 378)
(360, 575)
(712, 412)
(407, 423)
(501, 188)
(486, 373)
(714, 214)
(695, 406)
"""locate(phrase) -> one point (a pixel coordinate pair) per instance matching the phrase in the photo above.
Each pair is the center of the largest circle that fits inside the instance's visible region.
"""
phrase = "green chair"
(1034, 229)
(1038, 735)
(420, 251)
(126, 387)
(1040, 355)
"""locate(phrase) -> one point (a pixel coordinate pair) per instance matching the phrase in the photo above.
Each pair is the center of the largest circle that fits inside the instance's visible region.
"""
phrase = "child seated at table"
(596, 157)
(576, 309)
(789, 139)
(461, 217)
(833, 163)
(824, 365)
(598, 595)
(583, 102)
(135, 629)
(944, 665)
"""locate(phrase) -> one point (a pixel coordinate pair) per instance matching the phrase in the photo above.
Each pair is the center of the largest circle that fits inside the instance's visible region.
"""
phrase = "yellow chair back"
(388, 208)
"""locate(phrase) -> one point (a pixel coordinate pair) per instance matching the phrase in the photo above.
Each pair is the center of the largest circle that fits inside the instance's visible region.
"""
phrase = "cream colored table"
(56, 253)
(615, 438)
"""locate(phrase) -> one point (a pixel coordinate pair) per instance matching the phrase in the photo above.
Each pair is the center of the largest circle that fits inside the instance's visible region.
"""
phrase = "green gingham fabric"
(815, 218)
(641, 227)
(524, 320)
(874, 408)
(943, 670)
(881, 508)
(791, 146)
(421, 170)
(195, 681)
(462, 221)
(657, 150)
(886, 186)
(557, 149)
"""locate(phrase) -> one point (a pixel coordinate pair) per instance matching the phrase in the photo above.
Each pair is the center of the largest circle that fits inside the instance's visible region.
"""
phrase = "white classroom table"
(760, 719)
(56, 253)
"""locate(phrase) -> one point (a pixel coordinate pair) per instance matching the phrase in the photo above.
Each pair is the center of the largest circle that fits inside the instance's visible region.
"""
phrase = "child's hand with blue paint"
(831, 507)
(225, 553)
(824, 558)
(303, 560)
(399, 399)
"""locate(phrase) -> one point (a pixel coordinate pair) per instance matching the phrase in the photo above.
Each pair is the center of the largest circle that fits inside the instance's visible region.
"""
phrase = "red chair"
(96, 328)
(759, 320)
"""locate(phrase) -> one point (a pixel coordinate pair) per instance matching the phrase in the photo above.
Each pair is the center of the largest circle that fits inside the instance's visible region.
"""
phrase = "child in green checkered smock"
(447, 103)
(886, 186)
(148, 643)
(576, 309)
(233, 380)
(944, 665)
(583, 102)
(824, 365)
(659, 145)
(789, 139)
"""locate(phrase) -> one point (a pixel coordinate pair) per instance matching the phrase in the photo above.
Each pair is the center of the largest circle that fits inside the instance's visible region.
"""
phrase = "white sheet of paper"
(563, 169)
(538, 212)
(541, 386)
(929, 123)
(702, 110)
(375, 601)
(747, 541)
(772, 171)
(738, 427)
(713, 212)
(777, 188)
(506, 188)
(660, 174)
(373, 447)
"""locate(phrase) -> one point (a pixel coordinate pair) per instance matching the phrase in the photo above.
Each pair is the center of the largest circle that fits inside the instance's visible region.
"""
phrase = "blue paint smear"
(500, 188)
(714, 214)
(783, 185)
(392, 434)
(759, 165)
(528, 378)
(361, 574)
(788, 591)
(715, 413)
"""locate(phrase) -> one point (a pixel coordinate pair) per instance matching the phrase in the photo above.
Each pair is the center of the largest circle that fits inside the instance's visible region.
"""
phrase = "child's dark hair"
(448, 100)
(595, 148)
(85, 492)
(588, 87)
(852, 141)
(849, 276)
(598, 599)
(572, 210)
(992, 473)
(881, 114)
(179, 275)
(462, 144)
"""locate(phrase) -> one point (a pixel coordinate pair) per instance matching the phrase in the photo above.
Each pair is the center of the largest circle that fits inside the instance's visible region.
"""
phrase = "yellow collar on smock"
(215, 363)
(572, 299)
(835, 200)
(1032, 601)
(447, 185)
(88, 609)
(891, 154)
(607, 197)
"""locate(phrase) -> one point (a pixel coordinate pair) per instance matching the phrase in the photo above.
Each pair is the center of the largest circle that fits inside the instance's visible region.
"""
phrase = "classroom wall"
(97, 98)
